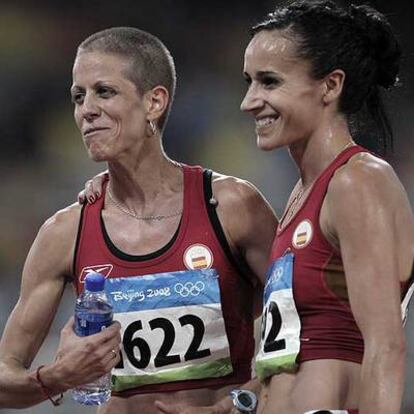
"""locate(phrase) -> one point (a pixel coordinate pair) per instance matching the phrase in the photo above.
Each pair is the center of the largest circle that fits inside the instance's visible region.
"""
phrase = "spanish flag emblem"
(199, 262)
(198, 256)
(301, 238)
(302, 235)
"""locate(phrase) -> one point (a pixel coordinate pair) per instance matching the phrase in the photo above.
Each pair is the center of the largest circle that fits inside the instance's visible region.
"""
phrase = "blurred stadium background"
(42, 161)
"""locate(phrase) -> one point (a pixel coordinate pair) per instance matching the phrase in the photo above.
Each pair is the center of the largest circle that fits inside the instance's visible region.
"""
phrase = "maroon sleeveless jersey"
(199, 226)
(328, 328)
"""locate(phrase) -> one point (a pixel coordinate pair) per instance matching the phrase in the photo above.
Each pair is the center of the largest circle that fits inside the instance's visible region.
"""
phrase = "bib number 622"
(134, 345)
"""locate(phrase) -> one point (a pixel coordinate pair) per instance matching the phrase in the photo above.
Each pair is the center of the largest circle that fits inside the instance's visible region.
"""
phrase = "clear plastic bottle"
(93, 313)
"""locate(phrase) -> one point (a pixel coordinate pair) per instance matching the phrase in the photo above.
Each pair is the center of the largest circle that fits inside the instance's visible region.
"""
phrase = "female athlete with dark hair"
(342, 259)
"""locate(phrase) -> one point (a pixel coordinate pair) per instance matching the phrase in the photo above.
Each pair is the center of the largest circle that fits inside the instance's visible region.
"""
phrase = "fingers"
(107, 345)
(87, 194)
(111, 359)
(81, 197)
(91, 193)
(112, 331)
(182, 409)
(69, 324)
(93, 188)
(165, 409)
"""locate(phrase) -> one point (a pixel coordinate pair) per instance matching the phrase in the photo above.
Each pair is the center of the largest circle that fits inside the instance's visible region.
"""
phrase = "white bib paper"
(280, 340)
(172, 328)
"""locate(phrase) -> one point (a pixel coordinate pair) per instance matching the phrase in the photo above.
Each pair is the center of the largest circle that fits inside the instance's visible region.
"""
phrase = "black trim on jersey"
(218, 229)
(136, 258)
(78, 236)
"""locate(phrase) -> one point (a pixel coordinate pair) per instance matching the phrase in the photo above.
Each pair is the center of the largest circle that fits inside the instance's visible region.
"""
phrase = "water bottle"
(93, 313)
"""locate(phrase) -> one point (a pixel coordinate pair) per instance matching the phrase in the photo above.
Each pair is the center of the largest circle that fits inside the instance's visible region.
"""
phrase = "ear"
(333, 84)
(156, 102)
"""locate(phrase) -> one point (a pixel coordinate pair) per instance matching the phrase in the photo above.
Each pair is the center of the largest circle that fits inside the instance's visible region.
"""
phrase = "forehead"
(94, 66)
(271, 51)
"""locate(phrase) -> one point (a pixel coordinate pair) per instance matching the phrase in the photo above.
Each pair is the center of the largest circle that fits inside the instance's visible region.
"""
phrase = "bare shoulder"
(366, 178)
(55, 241)
(63, 222)
(248, 221)
(242, 209)
(233, 192)
(366, 198)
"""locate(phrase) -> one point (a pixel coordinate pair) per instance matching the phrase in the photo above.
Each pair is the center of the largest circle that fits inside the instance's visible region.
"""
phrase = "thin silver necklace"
(130, 213)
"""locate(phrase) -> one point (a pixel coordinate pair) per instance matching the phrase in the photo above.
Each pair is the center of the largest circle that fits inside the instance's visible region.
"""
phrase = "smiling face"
(286, 102)
(109, 111)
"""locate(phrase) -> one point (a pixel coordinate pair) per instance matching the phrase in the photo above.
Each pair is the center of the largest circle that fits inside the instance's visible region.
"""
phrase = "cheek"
(77, 117)
(305, 108)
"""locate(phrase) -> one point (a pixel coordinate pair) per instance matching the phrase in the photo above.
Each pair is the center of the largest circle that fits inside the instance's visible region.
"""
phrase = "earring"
(153, 127)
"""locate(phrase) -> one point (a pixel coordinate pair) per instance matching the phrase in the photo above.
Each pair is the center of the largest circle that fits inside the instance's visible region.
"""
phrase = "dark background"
(42, 161)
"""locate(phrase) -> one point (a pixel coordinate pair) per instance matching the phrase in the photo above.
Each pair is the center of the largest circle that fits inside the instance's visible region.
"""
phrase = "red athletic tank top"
(328, 328)
(199, 226)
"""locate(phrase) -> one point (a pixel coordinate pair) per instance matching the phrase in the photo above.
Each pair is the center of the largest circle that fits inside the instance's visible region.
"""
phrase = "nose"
(90, 109)
(251, 100)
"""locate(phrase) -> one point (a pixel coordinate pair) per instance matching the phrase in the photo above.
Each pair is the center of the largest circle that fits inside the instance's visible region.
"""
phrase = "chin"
(265, 144)
(97, 156)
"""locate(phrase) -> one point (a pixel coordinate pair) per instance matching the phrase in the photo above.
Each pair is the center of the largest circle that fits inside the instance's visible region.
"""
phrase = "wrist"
(47, 392)
(54, 379)
(224, 406)
(244, 400)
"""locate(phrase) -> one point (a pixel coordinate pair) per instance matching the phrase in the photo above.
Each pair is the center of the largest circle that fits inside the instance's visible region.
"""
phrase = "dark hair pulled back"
(361, 42)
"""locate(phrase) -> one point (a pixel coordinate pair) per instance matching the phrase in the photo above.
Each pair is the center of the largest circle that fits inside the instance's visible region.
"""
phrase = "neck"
(146, 182)
(314, 154)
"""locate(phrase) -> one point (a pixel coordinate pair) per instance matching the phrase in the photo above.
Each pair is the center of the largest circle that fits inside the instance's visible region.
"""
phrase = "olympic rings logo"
(279, 273)
(276, 275)
(189, 288)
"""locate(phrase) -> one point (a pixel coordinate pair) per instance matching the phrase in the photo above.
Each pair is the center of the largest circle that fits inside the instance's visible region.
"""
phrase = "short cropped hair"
(151, 62)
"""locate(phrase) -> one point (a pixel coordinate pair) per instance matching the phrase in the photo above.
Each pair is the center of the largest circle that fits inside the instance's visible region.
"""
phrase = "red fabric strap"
(46, 391)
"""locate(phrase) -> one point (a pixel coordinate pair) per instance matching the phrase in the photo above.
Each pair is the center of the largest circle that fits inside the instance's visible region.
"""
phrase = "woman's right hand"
(80, 360)
(93, 188)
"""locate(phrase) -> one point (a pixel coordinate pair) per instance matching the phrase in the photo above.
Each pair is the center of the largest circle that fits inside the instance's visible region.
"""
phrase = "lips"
(92, 130)
(266, 121)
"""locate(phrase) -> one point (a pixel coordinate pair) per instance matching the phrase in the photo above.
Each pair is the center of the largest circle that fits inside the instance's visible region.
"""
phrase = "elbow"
(396, 345)
(391, 347)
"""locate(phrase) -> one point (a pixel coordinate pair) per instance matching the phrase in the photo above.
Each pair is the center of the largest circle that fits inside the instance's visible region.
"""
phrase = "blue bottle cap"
(94, 282)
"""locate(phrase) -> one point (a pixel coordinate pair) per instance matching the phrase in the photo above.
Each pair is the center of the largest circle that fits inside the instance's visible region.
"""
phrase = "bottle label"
(172, 328)
(85, 327)
(280, 339)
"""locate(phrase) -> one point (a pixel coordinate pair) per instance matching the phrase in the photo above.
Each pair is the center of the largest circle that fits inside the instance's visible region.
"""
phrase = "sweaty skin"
(365, 213)
(232, 194)
(113, 119)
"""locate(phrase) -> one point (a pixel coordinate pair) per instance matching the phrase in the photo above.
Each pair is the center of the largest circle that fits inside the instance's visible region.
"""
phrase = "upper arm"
(45, 270)
(248, 221)
(368, 214)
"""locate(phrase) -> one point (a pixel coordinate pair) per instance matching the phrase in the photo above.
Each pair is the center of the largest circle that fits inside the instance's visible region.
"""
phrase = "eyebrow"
(96, 85)
(263, 74)
(75, 88)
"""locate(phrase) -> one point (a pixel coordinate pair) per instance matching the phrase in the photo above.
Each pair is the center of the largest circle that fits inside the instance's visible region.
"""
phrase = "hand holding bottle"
(84, 359)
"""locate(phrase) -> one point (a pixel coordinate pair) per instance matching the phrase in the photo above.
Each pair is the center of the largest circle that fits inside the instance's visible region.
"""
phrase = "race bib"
(280, 341)
(172, 328)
